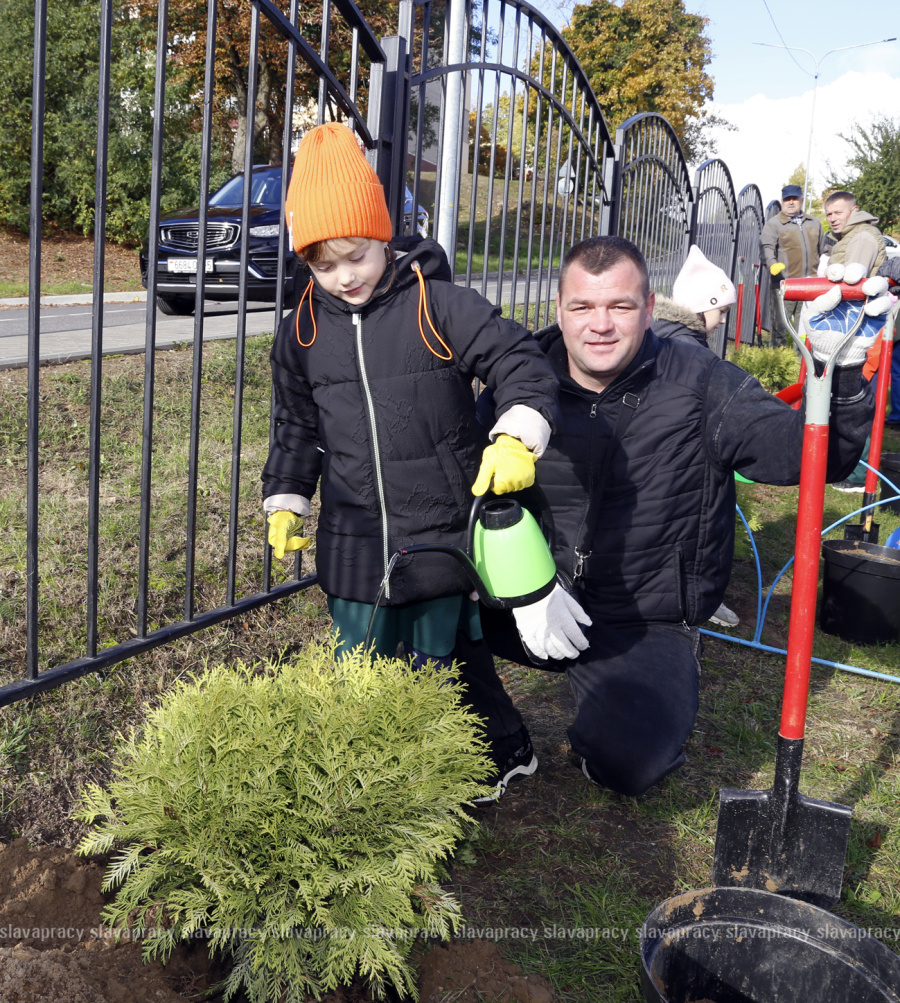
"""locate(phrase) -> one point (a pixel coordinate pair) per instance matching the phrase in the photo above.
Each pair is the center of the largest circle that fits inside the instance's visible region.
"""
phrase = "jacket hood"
(668, 310)
(422, 251)
(860, 216)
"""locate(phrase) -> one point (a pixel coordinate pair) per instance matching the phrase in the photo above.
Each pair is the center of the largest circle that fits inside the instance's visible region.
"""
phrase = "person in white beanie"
(701, 298)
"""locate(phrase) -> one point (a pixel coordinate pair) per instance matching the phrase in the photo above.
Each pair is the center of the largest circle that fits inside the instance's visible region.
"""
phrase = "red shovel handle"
(806, 580)
(809, 289)
(881, 398)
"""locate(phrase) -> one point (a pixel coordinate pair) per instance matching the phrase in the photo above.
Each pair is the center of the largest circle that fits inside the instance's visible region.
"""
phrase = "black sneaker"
(849, 487)
(514, 757)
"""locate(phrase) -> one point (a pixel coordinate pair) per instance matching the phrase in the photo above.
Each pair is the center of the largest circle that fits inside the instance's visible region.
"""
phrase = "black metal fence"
(476, 115)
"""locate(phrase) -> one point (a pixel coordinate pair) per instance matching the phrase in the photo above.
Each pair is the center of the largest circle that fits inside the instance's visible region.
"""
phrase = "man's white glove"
(828, 300)
(549, 628)
(851, 274)
(826, 331)
(880, 300)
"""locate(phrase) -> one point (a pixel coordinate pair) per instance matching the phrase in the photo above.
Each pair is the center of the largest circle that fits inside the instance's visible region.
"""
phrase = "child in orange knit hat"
(373, 376)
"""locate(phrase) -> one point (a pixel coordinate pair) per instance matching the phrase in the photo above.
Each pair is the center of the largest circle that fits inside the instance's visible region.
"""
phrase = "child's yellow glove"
(776, 269)
(507, 462)
(284, 527)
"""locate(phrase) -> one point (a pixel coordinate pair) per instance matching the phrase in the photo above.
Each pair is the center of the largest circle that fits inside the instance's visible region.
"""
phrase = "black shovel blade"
(795, 848)
(858, 531)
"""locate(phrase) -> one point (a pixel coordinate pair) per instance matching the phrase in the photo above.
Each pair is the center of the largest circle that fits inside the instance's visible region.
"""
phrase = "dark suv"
(176, 273)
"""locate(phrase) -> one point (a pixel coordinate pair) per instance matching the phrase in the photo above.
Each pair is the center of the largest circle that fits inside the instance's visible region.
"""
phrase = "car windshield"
(265, 190)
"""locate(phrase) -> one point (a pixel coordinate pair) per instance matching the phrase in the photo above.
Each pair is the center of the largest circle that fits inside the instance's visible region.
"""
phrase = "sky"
(768, 92)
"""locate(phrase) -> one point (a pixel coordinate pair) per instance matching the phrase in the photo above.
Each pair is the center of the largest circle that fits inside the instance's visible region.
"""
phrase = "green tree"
(646, 56)
(187, 39)
(70, 121)
(872, 172)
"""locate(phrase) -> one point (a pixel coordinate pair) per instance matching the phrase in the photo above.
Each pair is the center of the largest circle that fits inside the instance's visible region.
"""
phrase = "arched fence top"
(652, 195)
(750, 197)
(509, 148)
(715, 212)
(329, 83)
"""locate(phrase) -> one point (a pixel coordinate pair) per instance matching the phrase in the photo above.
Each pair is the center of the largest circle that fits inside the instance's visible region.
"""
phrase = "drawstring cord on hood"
(422, 309)
(306, 292)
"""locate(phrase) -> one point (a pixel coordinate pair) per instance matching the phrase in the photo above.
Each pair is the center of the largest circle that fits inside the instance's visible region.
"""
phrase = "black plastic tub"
(861, 591)
(890, 467)
(740, 945)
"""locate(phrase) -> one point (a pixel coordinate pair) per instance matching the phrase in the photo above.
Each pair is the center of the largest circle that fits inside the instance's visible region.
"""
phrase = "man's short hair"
(598, 254)
(840, 197)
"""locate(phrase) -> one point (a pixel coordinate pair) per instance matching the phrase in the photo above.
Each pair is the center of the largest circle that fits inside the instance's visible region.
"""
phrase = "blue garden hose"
(763, 607)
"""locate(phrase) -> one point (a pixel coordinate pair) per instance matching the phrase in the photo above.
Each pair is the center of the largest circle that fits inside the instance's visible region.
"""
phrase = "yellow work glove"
(507, 462)
(284, 528)
(776, 269)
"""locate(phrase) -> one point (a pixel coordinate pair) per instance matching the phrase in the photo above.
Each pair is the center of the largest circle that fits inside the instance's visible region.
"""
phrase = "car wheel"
(176, 306)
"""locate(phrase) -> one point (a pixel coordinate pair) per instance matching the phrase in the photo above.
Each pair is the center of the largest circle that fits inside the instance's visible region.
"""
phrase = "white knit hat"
(701, 285)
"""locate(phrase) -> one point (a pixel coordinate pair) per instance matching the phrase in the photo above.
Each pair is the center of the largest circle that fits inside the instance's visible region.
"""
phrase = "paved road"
(66, 322)
(65, 327)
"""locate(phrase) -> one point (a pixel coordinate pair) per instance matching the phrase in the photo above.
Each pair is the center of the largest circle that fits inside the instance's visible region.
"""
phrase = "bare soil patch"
(68, 257)
(54, 946)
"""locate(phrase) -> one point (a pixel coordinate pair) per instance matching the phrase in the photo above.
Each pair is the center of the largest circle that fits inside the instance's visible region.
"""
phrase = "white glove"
(549, 628)
(879, 306)
(880, 299)
(835, 272)
(830, 299)
(875, 286)
(854, 272)
(824, 332)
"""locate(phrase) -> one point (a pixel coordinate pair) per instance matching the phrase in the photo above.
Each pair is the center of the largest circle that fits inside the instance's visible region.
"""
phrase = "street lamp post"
(815, 77)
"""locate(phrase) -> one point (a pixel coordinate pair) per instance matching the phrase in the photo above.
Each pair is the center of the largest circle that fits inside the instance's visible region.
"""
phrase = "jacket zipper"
(379, 479)
(582, 556)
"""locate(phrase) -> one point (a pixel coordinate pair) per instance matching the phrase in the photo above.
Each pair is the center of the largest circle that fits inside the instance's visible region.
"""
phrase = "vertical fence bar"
(448, 214)
(197, 360)
(241, 341)
(35, 219)
(159, 103)
(106, 17)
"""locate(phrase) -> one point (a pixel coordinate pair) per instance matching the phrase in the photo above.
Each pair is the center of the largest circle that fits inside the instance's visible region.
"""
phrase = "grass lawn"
(556, 854)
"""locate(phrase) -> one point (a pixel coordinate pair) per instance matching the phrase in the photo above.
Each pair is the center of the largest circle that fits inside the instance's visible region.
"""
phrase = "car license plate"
(188, 265)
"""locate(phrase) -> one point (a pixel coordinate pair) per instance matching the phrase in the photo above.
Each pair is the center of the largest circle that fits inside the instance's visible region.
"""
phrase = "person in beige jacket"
(857, 239)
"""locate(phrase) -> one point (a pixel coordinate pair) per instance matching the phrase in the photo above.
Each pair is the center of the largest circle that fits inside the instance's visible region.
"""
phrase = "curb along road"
(79, 299)
(127, 337)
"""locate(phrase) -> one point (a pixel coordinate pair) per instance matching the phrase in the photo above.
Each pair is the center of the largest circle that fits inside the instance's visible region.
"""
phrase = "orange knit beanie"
(333, 191)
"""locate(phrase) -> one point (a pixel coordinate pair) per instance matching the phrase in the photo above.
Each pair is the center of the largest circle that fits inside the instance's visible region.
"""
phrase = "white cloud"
(773, 133)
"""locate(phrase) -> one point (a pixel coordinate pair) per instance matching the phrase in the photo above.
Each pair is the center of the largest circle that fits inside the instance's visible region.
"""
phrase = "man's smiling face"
(603, 319)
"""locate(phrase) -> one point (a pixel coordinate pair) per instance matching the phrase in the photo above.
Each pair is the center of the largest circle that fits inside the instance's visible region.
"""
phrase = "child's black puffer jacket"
(389, 426)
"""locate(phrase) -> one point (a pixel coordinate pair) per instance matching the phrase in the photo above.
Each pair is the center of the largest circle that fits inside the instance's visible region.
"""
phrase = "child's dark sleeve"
(295, 456)
(498, 351)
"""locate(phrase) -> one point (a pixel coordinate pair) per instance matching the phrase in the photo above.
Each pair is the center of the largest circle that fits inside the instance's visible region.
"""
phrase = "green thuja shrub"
(775, 368)
(297, 815)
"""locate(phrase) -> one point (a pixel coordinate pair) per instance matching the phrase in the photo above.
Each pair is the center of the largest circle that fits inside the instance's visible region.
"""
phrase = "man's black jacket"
(640, 477)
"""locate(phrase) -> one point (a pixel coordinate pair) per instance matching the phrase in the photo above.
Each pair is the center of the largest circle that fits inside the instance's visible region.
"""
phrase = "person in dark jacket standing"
(373, 377)
(790, 245)
(640, 478)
